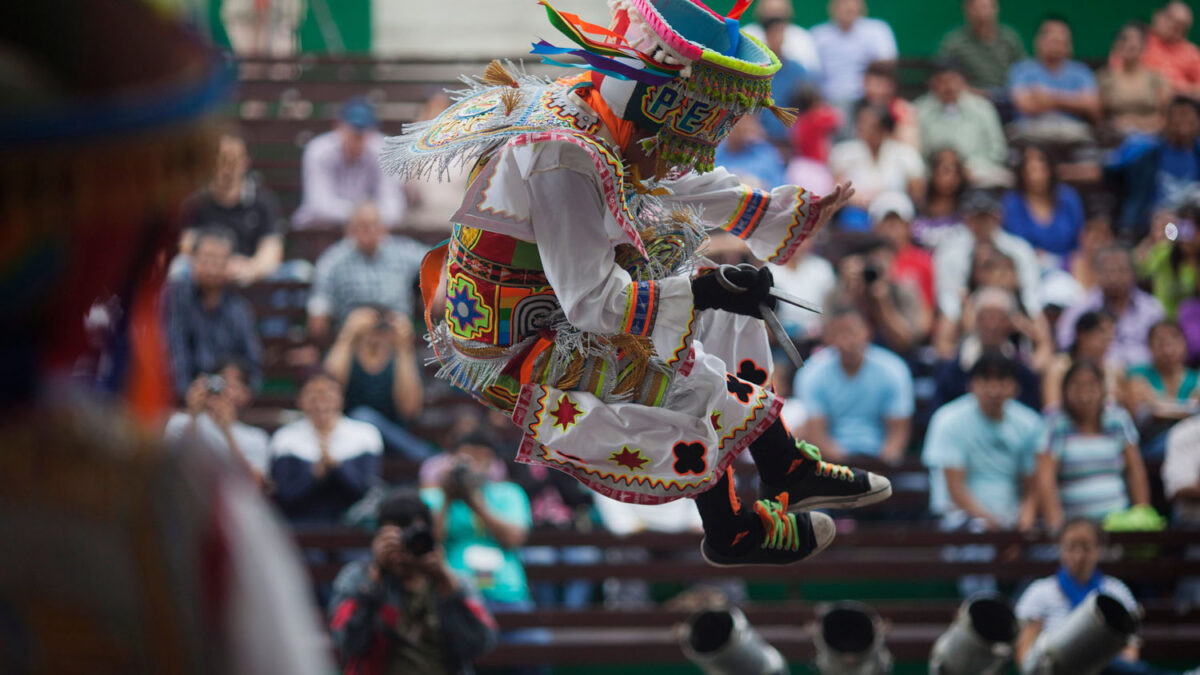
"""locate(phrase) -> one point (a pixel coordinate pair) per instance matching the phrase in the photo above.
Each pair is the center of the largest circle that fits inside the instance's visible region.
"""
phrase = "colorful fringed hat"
(673, 67)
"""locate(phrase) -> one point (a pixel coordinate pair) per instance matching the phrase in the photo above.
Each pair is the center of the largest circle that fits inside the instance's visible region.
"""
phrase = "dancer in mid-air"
(576, 299)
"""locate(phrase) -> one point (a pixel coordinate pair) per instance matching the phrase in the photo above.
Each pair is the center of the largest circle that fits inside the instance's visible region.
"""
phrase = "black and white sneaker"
(814, 483)
(784, 538)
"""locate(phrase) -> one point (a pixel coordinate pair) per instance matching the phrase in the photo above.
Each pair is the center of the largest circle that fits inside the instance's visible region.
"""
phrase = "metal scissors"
(769, 317)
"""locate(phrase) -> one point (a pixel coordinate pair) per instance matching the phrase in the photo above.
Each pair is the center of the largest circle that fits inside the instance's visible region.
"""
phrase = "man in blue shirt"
(980, 451)
(858, 396)
(1160, 174)
(1055, 96)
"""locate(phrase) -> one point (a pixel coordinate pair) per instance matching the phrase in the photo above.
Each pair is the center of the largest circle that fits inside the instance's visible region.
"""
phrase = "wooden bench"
(892, 553)
(643, 645)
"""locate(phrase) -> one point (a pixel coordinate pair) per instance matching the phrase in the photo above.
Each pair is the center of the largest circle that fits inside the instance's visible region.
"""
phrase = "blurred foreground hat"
(106, 124)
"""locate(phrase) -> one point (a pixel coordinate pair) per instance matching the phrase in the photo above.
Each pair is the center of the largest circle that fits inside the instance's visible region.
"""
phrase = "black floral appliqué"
(749, 371)
(689, 459)
(738, 388)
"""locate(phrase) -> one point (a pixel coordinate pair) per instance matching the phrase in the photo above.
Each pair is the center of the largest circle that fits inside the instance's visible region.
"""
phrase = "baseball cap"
(979, 201)
(358, 113)
(891, 202)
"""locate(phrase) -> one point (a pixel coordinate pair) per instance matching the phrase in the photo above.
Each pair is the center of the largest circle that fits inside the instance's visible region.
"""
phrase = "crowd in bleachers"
(1013, 297)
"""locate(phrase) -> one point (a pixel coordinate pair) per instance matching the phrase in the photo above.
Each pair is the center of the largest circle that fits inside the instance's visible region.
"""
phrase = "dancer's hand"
(709, 293)
(832, 203)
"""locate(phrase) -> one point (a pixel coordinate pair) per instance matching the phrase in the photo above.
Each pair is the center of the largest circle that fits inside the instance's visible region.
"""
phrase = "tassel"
(498, 75)
(787, 116)
(511, 98)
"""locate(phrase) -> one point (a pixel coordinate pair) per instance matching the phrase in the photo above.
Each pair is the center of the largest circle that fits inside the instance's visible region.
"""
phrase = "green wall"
(352, 18)
(919, 24)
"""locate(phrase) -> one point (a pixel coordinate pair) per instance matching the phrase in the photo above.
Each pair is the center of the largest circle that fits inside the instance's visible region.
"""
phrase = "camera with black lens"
(871, 273)
(462, 479)
(418, 539)
(215, 384)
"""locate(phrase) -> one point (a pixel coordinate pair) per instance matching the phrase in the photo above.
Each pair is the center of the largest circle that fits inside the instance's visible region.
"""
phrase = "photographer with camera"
(404, 610)
(484, 521)
(374, 357)
(214, 403)
(897, 316)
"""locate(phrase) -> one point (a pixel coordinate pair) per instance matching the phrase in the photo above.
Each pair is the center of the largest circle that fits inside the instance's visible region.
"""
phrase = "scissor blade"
(784, 296)
(781, 336)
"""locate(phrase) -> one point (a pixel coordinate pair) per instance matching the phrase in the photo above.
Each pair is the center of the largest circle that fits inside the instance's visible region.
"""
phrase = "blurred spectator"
(1165, 390)
(341, 171)
(1041, 210)
(558, 502)
(891, 215)
(431, 202)
(404, 610)
(1089, 464)
(483, 524)
(980, 451)
(798, 44)
(375, 361)
(325, 462)
(806, 275)
(241, 205)
(1134, 310)
(207, 321)
(985, 48)
(943, 197)
(1172, 264)
(747, 154)
(893, 309)
(1055, 96)
(1093, 336)
(858, 396)
(875, 162)
(788, 80)
(846, 44)
(880, 89)
(1133, 96)
(991, 267)
(368, 267)
(1181, 472)
(1096, 234)
(1189, 322)
(623, 519)
(1168, 50)
(263, 28)
(953, 259)
(214, 403)
(812, 140)
(1163, 173)
(1047, 602)
(812, 134)
(950, 116)
(992, 322)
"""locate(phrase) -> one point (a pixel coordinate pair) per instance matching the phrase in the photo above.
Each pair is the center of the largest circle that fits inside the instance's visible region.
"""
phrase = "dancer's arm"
(568, 218)
(773, 224)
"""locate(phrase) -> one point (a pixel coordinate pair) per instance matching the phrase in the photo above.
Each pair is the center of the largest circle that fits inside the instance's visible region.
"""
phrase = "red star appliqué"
(715, 418)
(630, 459)
(566, 413)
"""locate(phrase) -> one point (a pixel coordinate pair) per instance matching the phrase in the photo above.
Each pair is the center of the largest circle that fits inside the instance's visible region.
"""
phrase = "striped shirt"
(1091, 483)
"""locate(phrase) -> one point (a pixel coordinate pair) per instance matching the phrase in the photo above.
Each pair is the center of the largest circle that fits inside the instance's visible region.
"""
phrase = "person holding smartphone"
(402, 610)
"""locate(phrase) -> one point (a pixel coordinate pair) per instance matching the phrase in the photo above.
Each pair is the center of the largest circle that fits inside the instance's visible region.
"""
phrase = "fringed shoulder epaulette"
(503, 103)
